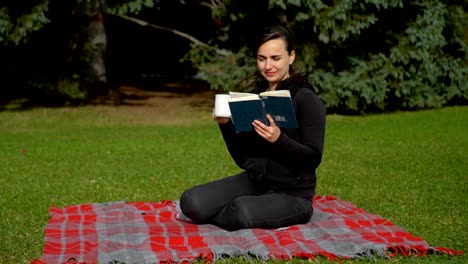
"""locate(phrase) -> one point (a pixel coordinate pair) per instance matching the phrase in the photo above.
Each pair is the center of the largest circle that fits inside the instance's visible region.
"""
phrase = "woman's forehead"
(274, 46)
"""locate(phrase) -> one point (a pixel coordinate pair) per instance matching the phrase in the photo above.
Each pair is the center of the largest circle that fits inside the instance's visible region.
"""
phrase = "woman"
(278, 181)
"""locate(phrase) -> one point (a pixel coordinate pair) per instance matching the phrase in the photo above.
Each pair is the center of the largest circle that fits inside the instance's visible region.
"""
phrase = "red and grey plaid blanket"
(144, 232)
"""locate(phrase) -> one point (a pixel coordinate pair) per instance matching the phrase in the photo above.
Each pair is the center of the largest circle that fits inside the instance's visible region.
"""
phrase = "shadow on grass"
(195, 93)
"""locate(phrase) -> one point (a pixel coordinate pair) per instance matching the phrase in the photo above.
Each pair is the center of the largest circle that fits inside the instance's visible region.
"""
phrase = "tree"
(58, 47)
(375, 55)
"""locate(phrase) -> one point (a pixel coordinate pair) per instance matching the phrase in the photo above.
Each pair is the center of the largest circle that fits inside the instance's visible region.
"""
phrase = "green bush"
(361, 56)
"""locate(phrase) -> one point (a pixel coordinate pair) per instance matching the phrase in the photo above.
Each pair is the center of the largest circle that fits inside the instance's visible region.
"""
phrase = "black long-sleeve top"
(288, 165)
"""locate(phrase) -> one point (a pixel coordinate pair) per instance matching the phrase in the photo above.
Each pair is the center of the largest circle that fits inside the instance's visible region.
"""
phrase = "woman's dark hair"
(275, 32)
(267, 34)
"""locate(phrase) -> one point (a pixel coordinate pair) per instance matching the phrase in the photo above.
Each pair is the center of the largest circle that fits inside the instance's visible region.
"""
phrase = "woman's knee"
(189, 204)
(235, 216)
(192, 204)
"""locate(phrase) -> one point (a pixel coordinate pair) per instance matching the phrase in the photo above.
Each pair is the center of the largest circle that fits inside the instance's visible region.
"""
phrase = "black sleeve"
(307, 149)
(242, 146)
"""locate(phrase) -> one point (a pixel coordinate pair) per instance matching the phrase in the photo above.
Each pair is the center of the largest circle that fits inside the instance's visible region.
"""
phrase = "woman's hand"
(220, 120)
(270, 133)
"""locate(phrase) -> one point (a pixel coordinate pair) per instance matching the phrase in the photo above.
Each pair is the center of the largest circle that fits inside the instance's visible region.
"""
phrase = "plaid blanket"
(143, 232)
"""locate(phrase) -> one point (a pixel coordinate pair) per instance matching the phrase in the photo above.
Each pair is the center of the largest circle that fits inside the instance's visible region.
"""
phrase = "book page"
(236, 96)
(282, 93)
(239, 94)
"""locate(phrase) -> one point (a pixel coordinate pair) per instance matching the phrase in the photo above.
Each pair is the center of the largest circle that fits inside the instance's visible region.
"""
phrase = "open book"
(247, 107)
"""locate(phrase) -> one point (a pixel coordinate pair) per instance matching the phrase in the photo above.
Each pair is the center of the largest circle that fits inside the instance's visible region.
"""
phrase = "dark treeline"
(361, 57)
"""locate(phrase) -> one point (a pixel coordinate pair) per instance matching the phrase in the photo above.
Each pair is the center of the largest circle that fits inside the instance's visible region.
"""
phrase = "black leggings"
(236, 203)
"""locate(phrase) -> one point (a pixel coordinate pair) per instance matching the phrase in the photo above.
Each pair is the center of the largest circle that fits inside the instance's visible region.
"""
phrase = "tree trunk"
(95, 77)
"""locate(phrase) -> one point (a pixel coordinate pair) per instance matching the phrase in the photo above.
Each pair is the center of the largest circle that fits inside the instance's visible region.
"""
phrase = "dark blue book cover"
(247, 107)
(281, 109)
(243, 113)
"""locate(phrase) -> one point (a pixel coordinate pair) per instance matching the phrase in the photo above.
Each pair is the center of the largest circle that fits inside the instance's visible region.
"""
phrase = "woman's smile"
(270, 74)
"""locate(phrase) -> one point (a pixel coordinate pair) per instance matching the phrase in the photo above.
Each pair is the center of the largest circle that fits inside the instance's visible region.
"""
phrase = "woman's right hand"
(220, 120)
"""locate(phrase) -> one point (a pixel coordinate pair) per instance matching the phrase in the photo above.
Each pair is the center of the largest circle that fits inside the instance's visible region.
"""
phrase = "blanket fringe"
(329, 256)
(449, 251)
(420, 251)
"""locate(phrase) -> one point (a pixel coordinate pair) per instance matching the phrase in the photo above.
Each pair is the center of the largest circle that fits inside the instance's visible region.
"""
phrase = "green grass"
(409, 167)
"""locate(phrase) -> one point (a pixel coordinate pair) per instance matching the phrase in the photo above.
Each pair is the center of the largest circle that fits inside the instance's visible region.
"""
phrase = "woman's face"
(273, 61)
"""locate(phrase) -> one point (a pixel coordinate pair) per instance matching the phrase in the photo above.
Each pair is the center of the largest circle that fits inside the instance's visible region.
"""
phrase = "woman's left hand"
(270, 133)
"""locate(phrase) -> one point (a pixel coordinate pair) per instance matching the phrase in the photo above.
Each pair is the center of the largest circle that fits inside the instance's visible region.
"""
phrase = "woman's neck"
(272, 87)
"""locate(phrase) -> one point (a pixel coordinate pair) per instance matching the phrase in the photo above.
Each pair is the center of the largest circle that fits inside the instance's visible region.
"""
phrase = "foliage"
(43, 58)
(362, 56)
(121, 7)
(238, 66)
(18, 20)
(377, 55)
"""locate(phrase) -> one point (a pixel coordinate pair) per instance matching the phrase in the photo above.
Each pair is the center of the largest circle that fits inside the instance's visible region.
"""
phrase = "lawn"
(409, 167)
